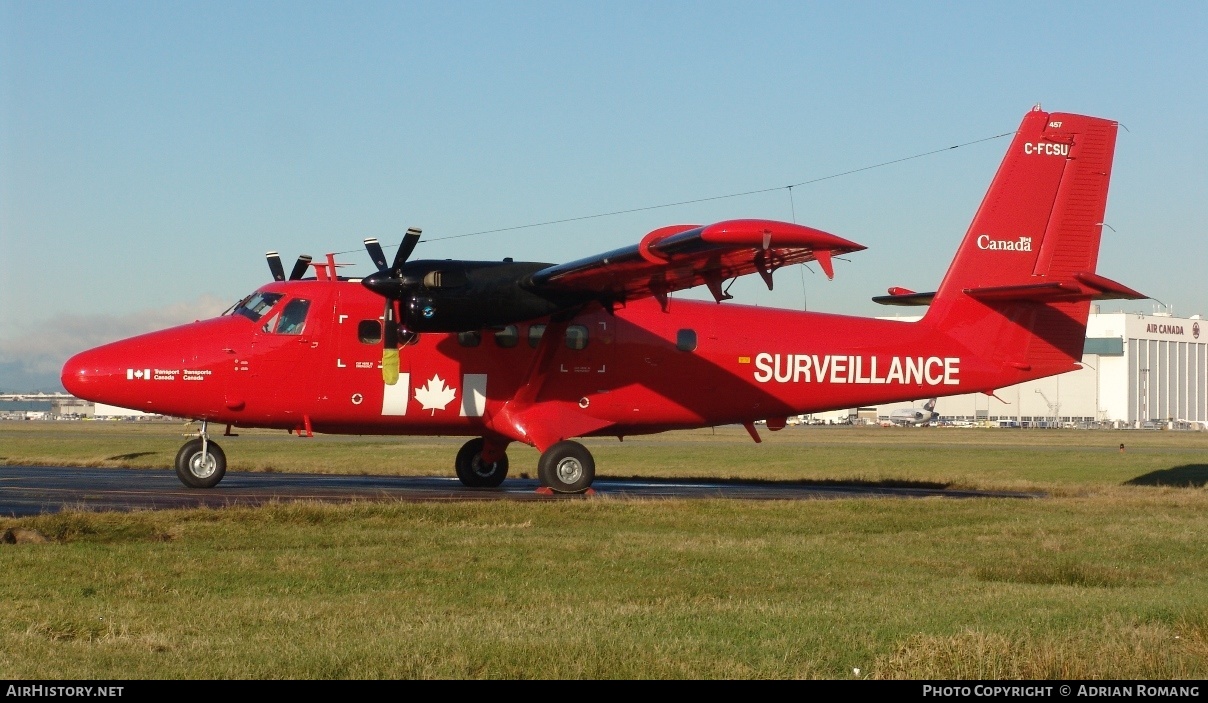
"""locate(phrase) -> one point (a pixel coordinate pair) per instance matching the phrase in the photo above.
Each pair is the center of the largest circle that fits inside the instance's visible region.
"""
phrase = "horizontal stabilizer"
(1109, 289)
(1085, 286)
(903, 296)
(1029, 292)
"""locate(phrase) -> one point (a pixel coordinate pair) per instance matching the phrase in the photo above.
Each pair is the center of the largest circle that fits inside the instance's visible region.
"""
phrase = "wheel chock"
(547, 491)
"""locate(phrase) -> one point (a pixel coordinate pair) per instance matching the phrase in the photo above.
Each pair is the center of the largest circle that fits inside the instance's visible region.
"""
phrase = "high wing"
(459, 296)
(684, 256)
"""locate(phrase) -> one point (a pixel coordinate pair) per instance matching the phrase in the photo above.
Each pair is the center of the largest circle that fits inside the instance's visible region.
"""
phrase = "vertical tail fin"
(1020, 287)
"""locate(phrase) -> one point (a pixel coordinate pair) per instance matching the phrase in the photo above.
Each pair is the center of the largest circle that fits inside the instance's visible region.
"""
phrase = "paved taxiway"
(30, 490)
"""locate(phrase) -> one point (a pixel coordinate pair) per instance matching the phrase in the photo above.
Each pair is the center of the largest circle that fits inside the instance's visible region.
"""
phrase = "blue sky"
(150, 153)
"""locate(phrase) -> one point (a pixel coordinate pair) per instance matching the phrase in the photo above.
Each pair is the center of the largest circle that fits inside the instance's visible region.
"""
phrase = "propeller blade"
(390, 333)
(300, 267)
(389, 345)
(274, 265)
(410, 239)
(376, 253)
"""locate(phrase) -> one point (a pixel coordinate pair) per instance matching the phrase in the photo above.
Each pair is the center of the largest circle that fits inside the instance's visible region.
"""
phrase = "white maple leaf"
(435, 395)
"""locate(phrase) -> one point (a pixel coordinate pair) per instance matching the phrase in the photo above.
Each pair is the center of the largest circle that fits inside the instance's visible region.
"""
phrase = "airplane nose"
(103, 374)
(83, 375)
(178, 371)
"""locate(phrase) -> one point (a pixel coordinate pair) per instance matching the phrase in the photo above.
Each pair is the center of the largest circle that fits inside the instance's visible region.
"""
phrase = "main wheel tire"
(196, 473)
(567, 467)
(475, 473)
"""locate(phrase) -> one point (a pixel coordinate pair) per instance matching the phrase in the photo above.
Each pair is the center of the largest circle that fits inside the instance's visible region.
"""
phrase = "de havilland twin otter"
(509, 351)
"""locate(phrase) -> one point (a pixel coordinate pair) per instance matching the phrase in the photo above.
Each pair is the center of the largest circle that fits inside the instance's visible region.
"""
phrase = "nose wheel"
(200, 463)
(567, 467)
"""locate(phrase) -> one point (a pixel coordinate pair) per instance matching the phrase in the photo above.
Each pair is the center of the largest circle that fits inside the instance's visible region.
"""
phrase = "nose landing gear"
(200, 463)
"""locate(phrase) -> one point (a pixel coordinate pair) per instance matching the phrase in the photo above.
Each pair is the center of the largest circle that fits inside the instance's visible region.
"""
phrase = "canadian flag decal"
(436, 394)
(140, 374)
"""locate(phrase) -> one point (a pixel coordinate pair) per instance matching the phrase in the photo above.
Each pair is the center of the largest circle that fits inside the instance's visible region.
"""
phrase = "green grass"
(1107, 578)
(964, 458)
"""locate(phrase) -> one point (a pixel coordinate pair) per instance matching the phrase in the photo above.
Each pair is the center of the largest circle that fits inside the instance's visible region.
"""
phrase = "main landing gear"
(201, 463)
(566, 467)
(477, 472)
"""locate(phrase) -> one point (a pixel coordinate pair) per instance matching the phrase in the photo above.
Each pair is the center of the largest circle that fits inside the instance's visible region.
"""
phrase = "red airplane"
(541, 354)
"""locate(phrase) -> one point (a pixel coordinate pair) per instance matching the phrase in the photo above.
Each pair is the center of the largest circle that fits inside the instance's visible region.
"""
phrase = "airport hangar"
(1138, 371)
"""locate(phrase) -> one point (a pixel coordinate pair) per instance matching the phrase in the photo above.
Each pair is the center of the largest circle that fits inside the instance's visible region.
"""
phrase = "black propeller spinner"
(388, 283)
(300, 266)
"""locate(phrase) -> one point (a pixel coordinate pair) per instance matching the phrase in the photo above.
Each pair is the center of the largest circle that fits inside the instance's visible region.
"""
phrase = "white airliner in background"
(915, 416)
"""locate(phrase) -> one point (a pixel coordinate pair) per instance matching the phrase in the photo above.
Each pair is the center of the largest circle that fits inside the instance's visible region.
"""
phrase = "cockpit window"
(293, 317)
(254, 307)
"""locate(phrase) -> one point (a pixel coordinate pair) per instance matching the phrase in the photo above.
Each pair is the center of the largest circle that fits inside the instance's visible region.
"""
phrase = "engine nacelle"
(461, 296)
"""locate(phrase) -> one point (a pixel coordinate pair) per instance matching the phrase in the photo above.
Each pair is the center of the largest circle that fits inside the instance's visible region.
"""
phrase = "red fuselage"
(640, 370)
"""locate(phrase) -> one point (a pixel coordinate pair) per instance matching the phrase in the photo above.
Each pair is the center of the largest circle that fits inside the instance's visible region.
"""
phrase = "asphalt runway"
(32, 490)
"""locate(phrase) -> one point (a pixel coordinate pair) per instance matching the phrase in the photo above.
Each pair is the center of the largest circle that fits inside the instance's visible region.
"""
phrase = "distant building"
(103, 410)
(46, 406)
(1142, 371)
(71, 407)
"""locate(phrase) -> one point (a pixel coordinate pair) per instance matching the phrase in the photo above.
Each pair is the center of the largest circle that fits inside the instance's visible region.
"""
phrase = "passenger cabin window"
(469, 339)
(685, 340)
(507, 337)
(369, 332)
(255, 306)
(534, 335)
(293, 317)
(576, 337)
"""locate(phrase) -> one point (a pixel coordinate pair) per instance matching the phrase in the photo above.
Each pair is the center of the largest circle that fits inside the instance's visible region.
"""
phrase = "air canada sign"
(1165, 329)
